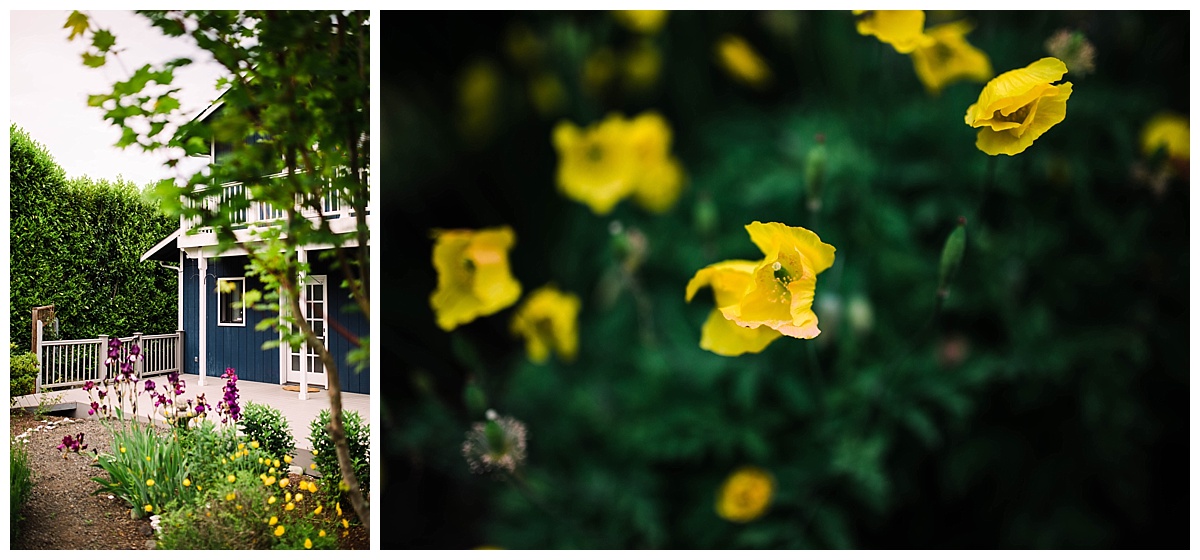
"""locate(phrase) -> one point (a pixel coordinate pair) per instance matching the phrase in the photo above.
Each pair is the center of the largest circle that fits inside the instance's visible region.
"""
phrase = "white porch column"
(202, 263)
(179, 297)
(302, 258)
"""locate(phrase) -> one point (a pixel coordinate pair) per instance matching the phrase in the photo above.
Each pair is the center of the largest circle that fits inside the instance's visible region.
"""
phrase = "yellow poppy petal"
(724, 337)
(774, 237)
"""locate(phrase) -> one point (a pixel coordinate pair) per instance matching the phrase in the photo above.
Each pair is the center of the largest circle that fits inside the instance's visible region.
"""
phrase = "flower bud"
(952, 254)
(814, 173)
(475, 399)
(704, 215)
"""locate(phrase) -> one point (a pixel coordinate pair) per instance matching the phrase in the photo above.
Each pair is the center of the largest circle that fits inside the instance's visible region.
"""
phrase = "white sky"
(49, 85)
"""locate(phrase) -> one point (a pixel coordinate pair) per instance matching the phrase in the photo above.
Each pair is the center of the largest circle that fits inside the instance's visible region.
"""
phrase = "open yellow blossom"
(122, 449)
(322, 533)
(641, 21)
(307, 543)
(950, 58)
(781, 292)
(743, 64)
(268, 481)
(1170, 132)
(149, 508)
(241, 446)
(345, 523)
(254, 444)
(150, 482)
(231, 478)
(271, 500)
(319, 509)
(658, 177)
(729, 281)
(287, 459)
(1018, 106)
(279, 531)
(595, 165)
(290, 506)
(230, 496)
(283, 483)
(187, 482)
(547, 320)
(473, 275)
(745, 495)
(902, 29)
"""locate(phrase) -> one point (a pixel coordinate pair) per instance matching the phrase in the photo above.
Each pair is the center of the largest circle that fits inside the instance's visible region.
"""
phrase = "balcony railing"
(264, 213)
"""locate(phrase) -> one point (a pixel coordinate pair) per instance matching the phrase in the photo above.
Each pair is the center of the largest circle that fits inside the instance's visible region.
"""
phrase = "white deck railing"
(69, 363)
(260, 212)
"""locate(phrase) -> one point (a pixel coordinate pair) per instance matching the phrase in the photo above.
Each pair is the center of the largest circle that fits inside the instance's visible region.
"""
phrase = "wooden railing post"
(101, 369)
(179, 351)
(137, 364)
(37, 384)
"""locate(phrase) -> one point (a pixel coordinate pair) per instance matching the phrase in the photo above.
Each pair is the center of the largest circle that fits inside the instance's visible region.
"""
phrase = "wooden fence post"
(37, 349)
(101, 368)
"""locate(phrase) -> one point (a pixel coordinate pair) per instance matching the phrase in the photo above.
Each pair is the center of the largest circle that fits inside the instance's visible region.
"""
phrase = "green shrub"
(20, 484)
(269, 427)
(358, 436)
(23, 369)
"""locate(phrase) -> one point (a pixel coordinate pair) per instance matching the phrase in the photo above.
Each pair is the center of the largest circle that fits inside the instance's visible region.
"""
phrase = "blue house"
(219, 327)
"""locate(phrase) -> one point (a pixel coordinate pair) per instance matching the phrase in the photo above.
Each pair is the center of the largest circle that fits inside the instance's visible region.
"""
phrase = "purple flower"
(149, 385)
(89, 386)
(95, 407)
(134, 351)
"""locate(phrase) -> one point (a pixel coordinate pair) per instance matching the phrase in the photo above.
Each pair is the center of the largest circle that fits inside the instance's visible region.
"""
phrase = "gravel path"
(61, 512)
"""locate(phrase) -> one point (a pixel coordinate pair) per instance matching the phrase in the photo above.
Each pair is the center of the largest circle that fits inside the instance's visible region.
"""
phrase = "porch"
(299, 413)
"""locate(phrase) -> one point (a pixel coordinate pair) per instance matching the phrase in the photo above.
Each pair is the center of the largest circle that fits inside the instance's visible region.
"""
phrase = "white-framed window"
(231, 307)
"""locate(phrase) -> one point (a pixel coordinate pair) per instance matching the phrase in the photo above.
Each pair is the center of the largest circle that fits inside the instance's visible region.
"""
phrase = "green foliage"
(358, 439)
(268, 426)
(141, 454)
(1061, 344)
(215, 523)
(20, 485)
(76, 243)
(23, 369)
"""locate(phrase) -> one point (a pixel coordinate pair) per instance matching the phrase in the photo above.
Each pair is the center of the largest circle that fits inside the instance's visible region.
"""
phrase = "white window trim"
(220, 295)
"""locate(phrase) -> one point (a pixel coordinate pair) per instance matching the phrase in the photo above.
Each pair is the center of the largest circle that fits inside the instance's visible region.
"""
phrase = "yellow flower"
(547, 319)
(595, 165)
(230, 496)
(279, 531)
(1170, 132)
(1018, 106)
(254, 444)
(290, 506)
(345, 523)
(658, 177)
(231, 479)
(322, 533)
(260, 460)
(273, 520)
(307, 543)
(147, 457)
(150, 482)
(287, 496)
(187, 482)
(473, 275)
(312, 466)
(641, 21)
(642, 65)
(241, 446)
(271, 500)
(741, 62)
(239, 507)
(339, 508)
(729, 281)
(149, 508)
(780, 292)
(902, 29)
(950, 58)
(122, 449)
(547, 94)
(319, 509)
(745, 495)
(283, 483)
(268, 481)
(299, 497)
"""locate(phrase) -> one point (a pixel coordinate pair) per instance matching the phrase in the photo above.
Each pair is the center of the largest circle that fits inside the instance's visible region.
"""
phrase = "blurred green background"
(1046, 406)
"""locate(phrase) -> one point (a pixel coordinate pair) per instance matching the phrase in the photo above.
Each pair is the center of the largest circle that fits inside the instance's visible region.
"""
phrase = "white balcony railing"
(264, 213)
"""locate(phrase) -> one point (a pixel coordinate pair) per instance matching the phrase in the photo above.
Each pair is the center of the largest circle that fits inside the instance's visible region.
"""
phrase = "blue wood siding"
(343, 310)
(238, 347)
(191, 317)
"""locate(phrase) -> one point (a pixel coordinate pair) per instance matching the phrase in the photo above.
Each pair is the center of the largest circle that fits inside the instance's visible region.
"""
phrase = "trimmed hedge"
(75, 243)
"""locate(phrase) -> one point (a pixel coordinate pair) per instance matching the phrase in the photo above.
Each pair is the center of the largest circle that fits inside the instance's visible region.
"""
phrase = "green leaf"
(77, 22)
(92, 61)
(103, 40)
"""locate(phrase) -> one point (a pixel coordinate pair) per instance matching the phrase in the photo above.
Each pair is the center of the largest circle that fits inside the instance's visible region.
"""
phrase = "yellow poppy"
(547, 320)
(902, 29)
(784, 282)
(658, 176)
(745, 495)
(307, 543)
(741, 62)
(1170, 132)
(595, 165)
(473, 275)
(1018, 106)
(149, 508)
(279, 531)
(950, 58)
(641, 21)
(729, 281)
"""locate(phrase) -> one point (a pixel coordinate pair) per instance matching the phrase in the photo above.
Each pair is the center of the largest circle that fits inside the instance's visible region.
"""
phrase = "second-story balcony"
(340, 214)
